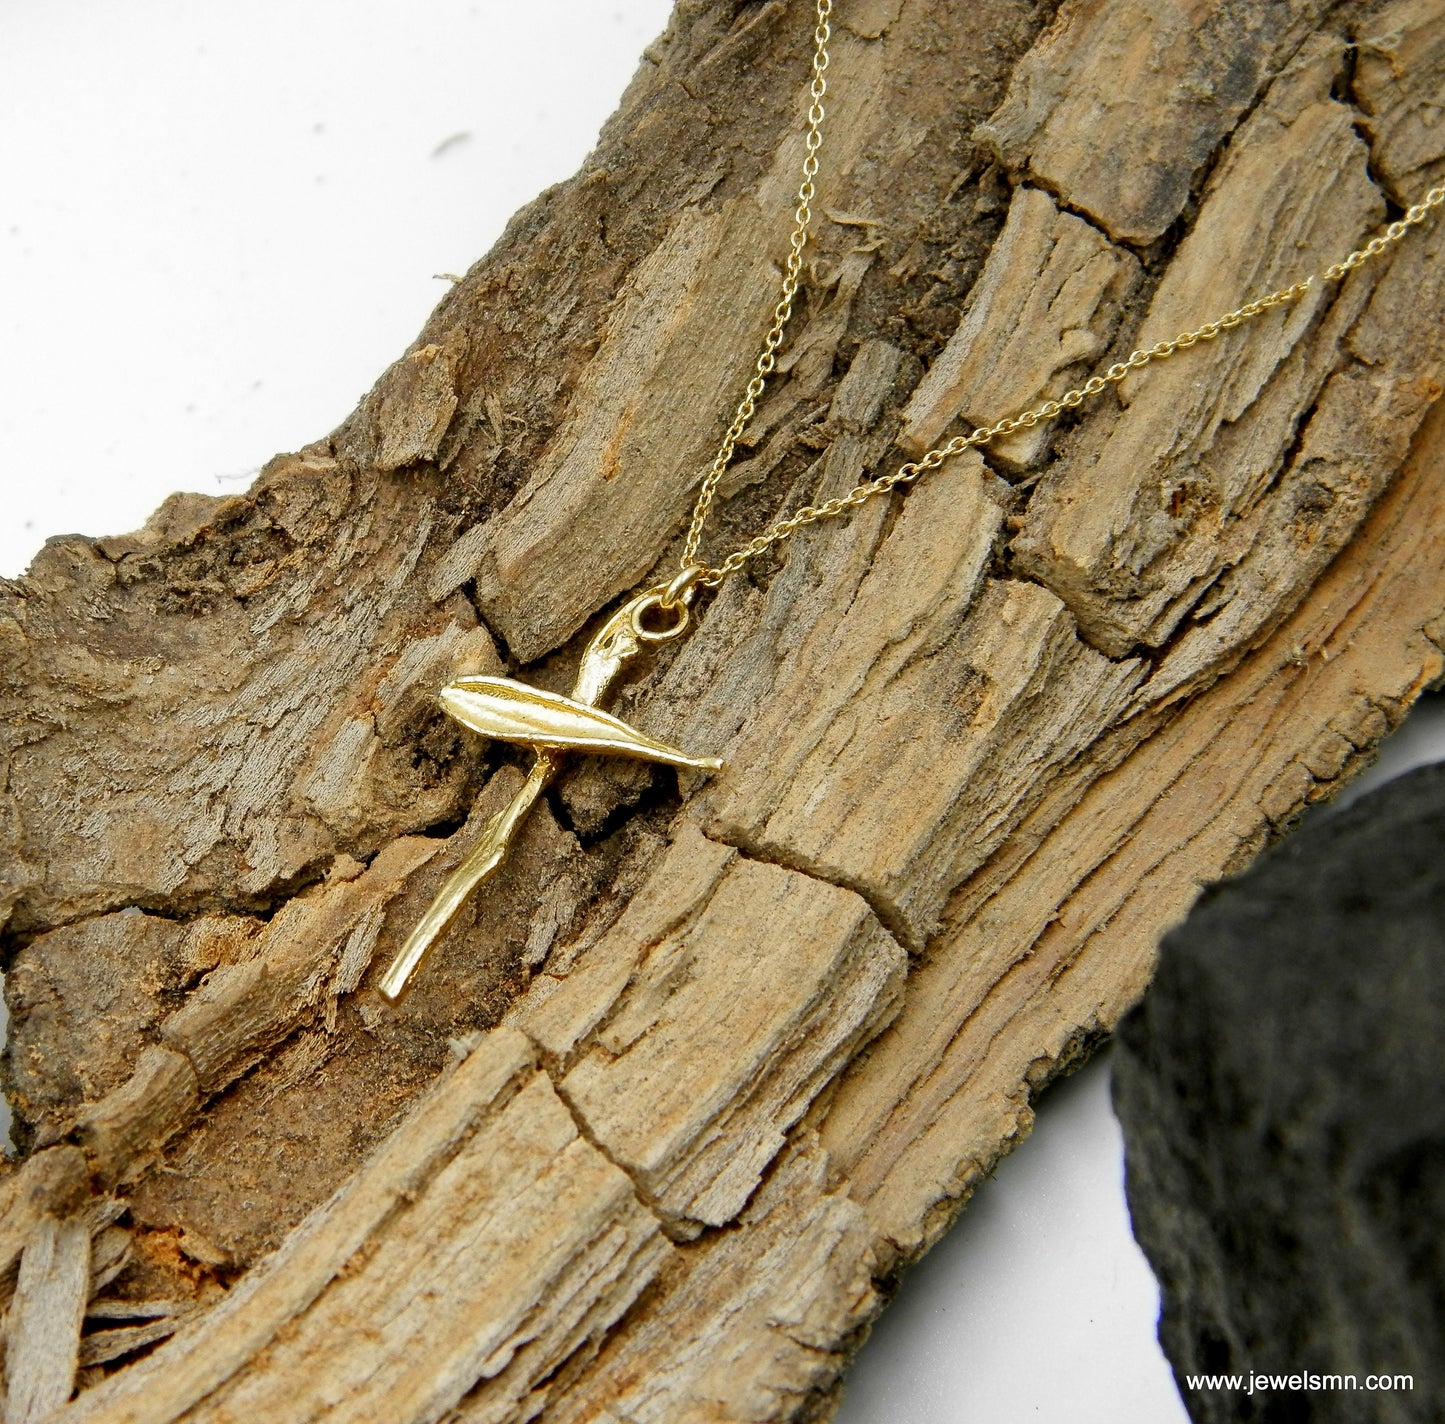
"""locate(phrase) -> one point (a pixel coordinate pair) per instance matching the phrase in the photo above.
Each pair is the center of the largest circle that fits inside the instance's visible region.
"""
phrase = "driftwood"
(714, 1058)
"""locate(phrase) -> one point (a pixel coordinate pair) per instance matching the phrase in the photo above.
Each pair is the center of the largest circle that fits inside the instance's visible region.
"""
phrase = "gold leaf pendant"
(551, 725)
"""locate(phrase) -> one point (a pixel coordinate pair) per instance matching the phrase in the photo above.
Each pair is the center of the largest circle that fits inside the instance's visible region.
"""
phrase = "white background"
(218, 224)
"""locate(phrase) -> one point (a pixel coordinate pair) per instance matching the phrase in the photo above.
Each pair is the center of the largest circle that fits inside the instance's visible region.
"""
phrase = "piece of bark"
(1352, 442)
(42, 1330)
(1174, 493)
(1045, 307)
(47, 1183)
(238, 597)
(690, 1050)
(1398, 80)
(241, 1011)
(334, 1074)
(110, 1254)
(492, 1135)
(930, 770)
(1120, 107)
(120, 1130)
(619, 476)
(104, 1346)
(1055, 937)
(410, 408)
(105, 984)
(624, 433)
(756, 1324)
(270, 978)
(905, 636)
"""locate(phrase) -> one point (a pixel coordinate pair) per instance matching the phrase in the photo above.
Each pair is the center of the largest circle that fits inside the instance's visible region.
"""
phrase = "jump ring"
(657, 599)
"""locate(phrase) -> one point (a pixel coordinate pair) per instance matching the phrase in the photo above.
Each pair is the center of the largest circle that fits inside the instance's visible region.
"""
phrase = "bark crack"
(889, 915)
(557, 1077)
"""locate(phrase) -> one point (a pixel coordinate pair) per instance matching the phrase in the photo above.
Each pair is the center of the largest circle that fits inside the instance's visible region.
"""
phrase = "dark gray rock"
(1282, 1090)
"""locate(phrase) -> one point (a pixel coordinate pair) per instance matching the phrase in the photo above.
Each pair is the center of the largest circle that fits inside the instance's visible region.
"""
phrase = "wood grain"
(42, 1329)
(1044, 310)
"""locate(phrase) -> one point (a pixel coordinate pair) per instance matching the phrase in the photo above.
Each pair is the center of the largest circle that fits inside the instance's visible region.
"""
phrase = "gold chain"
(695, 573)
(792, 274)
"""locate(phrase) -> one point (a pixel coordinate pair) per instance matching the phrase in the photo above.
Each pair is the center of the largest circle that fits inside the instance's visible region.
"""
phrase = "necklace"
(551, 725)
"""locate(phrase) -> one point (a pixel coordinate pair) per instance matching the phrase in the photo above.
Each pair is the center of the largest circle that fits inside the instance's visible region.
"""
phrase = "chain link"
(712, 575)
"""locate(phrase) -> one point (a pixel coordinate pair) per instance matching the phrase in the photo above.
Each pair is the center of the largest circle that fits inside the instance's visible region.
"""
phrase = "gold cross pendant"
(551, 725)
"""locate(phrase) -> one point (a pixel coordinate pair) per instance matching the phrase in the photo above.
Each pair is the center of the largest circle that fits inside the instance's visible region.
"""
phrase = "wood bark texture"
(714, 1058)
